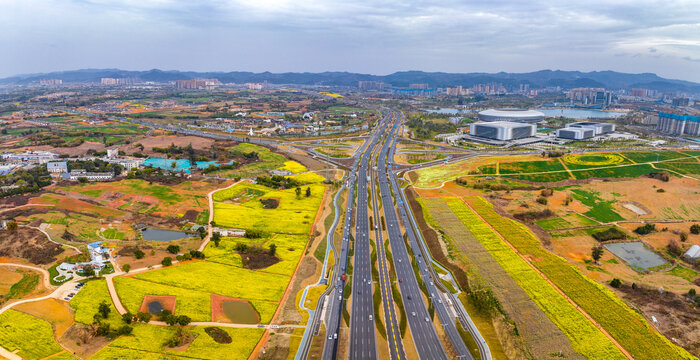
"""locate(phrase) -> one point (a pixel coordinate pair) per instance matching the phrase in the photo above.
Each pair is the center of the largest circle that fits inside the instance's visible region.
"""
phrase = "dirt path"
(45, 273)
(571, 175)
(527, 261)
(211, 214)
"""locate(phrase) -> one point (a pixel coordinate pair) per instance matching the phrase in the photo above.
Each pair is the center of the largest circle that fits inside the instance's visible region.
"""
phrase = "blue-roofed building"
(674, 124)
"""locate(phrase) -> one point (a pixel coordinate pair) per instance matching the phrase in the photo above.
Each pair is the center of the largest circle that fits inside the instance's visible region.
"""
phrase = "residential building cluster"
(118, 81)
(679, 125)
(50, 82)
(198, 84)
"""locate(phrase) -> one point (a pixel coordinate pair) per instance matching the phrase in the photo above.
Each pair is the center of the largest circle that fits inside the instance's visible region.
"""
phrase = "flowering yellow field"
(622, 323)
(293, 166)
(32, 337)
(294, 214)
(585, 337)
(146, 342)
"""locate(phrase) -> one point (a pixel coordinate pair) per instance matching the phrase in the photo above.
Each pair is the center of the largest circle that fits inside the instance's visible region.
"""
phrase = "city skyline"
(358, 36)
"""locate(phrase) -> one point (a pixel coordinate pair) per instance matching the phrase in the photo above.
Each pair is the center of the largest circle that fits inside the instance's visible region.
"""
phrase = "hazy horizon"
(361, 36)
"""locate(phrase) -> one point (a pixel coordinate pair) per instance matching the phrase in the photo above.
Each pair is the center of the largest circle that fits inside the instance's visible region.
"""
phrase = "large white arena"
(514, 115)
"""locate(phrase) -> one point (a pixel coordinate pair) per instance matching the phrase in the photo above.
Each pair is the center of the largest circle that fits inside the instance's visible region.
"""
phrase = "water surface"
(164, 235)
(240, 312)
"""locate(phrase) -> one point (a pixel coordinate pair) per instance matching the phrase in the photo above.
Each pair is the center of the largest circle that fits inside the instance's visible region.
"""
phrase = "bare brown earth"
(167, 301)
(257, 258)
(71, 151)
(217, 309)
(78, 341)
(198, 143)
(29, 244)
(677, 318)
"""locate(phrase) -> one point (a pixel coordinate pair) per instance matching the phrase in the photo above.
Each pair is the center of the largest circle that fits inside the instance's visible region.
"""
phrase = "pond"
(581, 113)
(155, 307)
(183, 165)
(240, 312)
(164, 235)
(636, 255)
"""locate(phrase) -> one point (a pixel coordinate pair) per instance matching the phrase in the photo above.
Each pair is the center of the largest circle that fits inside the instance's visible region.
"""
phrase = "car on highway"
(370, 317)
(426, 319)
(413, 313)
(400, 280)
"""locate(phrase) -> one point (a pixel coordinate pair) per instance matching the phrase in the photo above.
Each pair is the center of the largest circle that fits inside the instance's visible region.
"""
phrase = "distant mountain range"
(565, 79)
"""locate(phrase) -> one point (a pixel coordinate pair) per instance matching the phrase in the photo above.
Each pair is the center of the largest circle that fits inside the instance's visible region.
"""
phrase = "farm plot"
(293, 167)
(585, 337)
(600, 210)
(88, 299)
(621, 171)
(230, 281)
(31, 337)
(543, 337)
(652, 156)
(294, 214)
(687, 166)
(268, 160)
(147, 341)
(627, 327)
(589, 160)
(194, 304)
(565, 221)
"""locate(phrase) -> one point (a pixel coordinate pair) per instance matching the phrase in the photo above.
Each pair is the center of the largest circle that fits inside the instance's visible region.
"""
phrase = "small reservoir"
(240, 312)
(164, 235)
(155, 307)
(636, 255)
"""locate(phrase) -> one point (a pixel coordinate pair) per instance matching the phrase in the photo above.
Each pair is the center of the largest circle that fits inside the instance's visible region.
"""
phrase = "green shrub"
(612, 233)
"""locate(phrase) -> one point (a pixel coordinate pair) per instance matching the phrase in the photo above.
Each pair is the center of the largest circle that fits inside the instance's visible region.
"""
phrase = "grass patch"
(684, 272)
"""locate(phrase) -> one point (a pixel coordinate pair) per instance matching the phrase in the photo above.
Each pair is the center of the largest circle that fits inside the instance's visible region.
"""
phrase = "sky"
(366, 36)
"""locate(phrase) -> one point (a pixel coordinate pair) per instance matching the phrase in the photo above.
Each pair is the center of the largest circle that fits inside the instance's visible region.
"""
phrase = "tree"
(616, 283)
(143, 317)
(12, 225)
(542, 200)
(597, 253)
(125, 330)
(167, 261)
(139, 254)
(88, 271)
(695, 229)
(308, 192)
(683, 236)
(104, 309)
(173, 249)
(173, 164)
(273, 249)
(216, 238)
(82, 179)
(183, 320)
(128, 317)
(298, 191)
(202, 232)
(126, 268)
(691, 292)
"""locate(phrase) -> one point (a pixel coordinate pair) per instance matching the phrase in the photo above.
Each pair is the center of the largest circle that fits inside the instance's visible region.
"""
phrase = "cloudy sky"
(377, 37)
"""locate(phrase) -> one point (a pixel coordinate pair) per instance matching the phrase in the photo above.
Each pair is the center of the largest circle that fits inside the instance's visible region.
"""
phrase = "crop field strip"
(584, 337)
(627, 327)
(32, 337)
(542, 336)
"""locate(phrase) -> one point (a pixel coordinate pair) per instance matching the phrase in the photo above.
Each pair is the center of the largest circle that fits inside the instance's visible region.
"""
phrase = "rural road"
(211, 214)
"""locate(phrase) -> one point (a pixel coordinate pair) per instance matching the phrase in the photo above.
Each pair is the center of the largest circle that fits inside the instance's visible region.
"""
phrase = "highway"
(424, 335)
(393, 331)
(334, 308)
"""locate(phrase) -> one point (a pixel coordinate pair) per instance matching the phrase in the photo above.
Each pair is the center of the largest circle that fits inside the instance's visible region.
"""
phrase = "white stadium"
(513, 115)
(502, 130)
